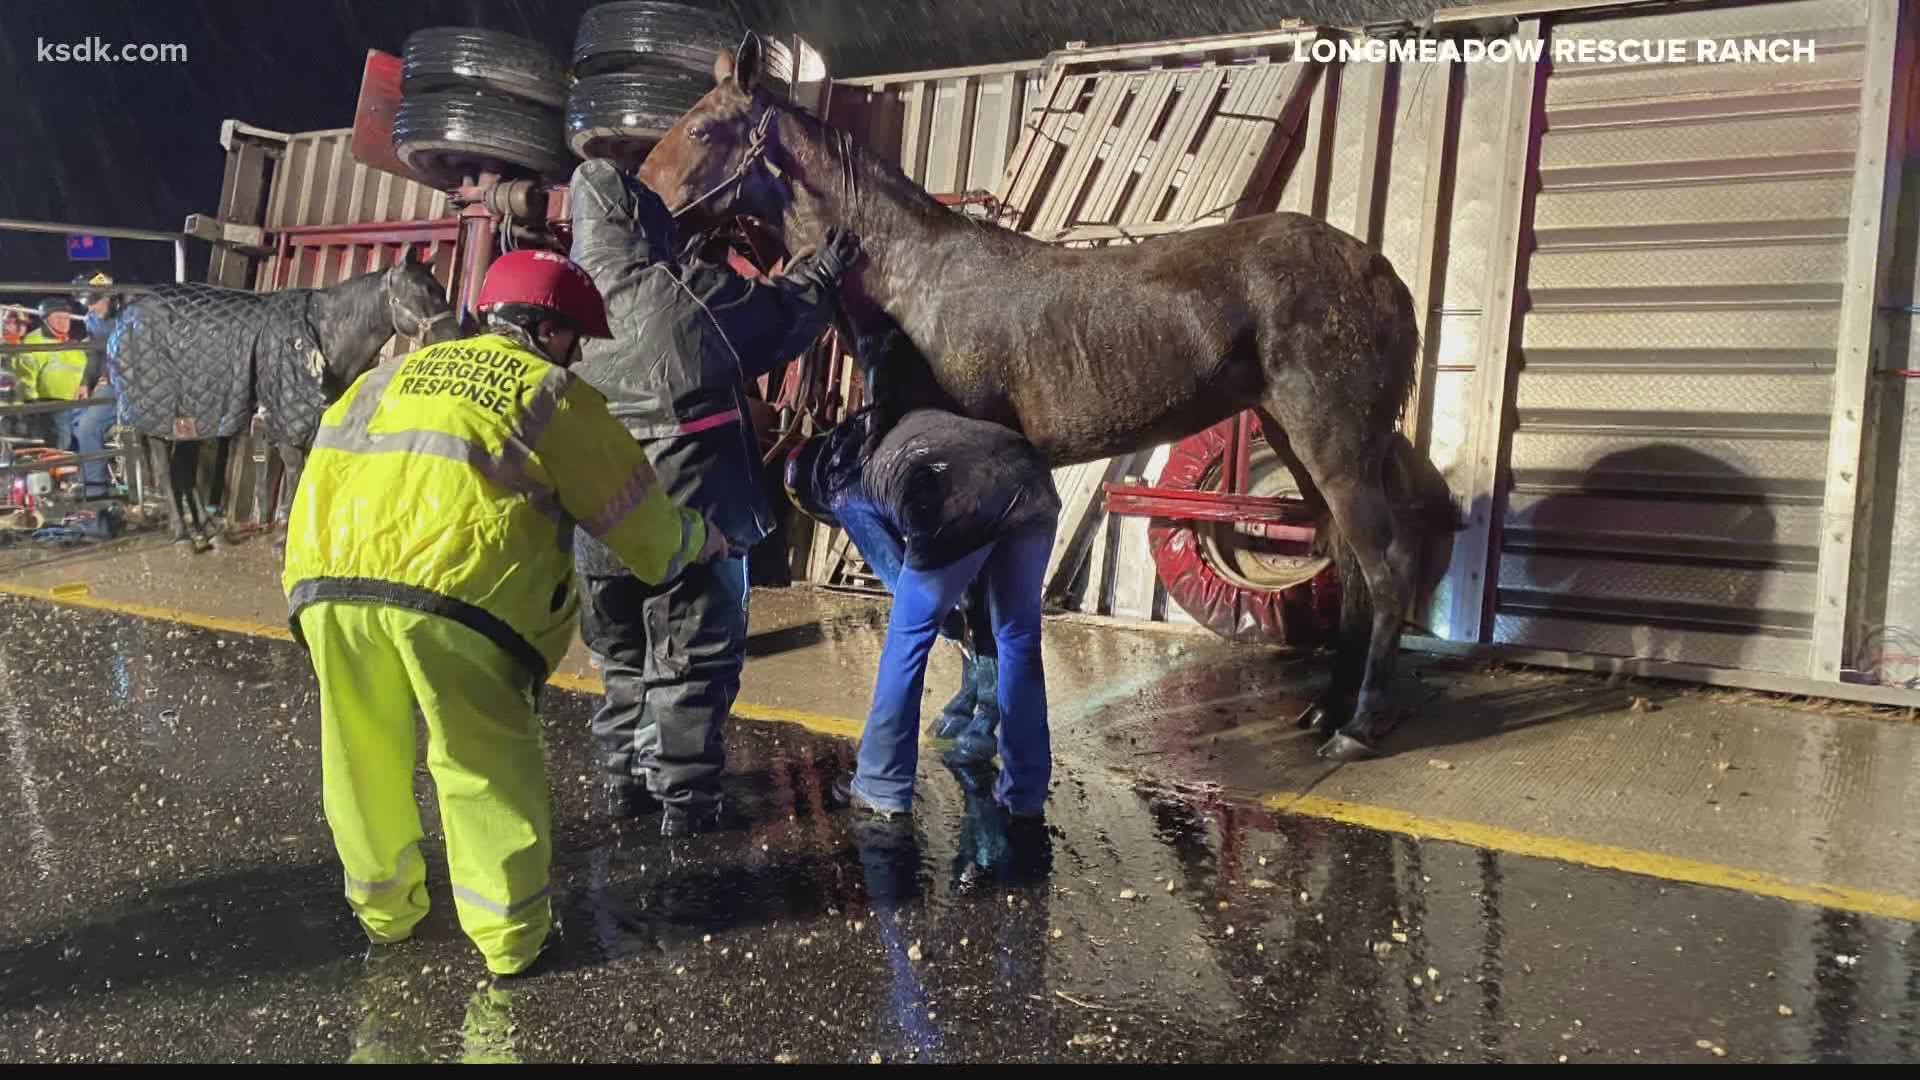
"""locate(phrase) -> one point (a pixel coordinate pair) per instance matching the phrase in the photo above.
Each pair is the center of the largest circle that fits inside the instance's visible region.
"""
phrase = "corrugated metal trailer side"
(1886, 649)
(1678, 471)
(1669, 464)
(1665, 364)
(317, 184)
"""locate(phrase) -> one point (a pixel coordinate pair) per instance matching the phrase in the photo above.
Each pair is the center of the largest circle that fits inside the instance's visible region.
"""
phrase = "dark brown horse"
(1096, 352)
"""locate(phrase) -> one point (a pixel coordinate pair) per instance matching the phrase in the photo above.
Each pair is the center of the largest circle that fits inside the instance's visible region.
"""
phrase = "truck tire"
(1203, 572)
(449, 136)
(453, 58)
(641, 34)
(621, 116)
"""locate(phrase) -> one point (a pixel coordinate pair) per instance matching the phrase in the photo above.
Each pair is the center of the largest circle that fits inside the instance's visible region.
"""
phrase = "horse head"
(738, 153)
(417, 302)
(723, 159)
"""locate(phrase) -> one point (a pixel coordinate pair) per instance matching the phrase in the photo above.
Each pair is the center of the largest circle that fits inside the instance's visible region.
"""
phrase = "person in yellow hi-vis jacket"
(55, 375)
(427, 566)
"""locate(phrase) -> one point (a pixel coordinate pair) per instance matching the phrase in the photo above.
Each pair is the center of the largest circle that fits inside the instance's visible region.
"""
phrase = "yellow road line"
(59, 594)
(76, 596)
(1378, 818)
(1602, 856)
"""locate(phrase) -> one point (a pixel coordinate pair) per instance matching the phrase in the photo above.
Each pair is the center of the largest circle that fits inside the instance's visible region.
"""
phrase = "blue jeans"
(59, 430)
(90, 434)
(883, 551)
(1015, 567)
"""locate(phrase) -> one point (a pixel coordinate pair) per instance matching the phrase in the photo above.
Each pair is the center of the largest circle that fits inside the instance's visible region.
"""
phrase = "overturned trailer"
(1665, 306)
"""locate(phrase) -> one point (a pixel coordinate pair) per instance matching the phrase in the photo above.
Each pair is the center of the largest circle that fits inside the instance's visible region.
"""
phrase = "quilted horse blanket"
(192, 361)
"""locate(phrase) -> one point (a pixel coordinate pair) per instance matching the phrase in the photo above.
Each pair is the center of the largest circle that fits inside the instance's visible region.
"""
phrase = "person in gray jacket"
(687, 338)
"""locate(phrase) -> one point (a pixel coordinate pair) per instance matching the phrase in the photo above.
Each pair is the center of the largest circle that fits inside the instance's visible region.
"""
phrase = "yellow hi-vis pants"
(375, 663)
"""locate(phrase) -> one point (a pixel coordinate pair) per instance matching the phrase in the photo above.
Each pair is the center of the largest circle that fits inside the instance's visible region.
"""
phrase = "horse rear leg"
(1335, 706)
(212, 508)
(163, 480)
(1347, 463)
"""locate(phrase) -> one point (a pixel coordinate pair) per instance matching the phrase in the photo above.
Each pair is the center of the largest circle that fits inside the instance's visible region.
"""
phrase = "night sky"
(136, 144)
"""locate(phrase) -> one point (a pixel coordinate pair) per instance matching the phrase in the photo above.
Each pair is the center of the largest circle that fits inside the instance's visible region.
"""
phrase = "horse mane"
(351, 319)
(871, 173)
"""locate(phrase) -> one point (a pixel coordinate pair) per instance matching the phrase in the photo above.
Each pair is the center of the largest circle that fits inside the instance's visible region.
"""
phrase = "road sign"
(86, 247)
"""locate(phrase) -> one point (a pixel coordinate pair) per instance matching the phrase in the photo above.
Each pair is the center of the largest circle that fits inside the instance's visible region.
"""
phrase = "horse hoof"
(1344, 747)
(182, 546)
(219, 541)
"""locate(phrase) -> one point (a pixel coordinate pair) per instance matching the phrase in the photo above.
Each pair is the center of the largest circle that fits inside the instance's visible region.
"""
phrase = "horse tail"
(1417, 490)
(1396, 334)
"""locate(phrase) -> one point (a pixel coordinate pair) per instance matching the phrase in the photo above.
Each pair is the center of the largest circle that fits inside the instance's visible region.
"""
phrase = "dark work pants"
(670, 659)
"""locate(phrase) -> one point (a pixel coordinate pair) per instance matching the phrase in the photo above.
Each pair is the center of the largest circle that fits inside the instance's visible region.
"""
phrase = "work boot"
(977, 741)
(628, 801)
(844, 795)
(680, 821)
(957, 714)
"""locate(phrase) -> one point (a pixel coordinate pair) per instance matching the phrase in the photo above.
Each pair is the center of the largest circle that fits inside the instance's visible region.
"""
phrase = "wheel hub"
(1245, 558)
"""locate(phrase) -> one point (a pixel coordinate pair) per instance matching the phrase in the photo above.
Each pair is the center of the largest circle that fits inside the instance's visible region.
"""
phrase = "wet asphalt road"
(170, 894)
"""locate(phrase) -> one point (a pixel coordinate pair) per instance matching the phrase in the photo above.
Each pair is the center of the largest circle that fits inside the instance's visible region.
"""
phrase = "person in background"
(946, 499)
(14, 325)
(427, 568)
(57, 375)
(687, 338)
(92, 425)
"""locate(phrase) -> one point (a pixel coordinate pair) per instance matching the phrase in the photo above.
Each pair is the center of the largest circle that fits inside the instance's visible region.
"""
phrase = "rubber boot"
(957, 716)
(978, 742)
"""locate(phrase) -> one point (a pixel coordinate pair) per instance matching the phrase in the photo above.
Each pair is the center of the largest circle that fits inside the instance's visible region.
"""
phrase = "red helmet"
(543, 279)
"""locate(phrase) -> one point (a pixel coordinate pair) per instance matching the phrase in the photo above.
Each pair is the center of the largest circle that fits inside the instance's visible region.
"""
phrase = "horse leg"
(295, 461)
(215, 514)
(1335, 705)
(1282, 446)
(163, 479)
(183, 468)
(1348, 464)
(196, 501)
(210, 498)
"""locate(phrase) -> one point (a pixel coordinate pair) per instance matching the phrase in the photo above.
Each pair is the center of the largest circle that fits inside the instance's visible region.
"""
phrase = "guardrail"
(60, 228)
(53, 346)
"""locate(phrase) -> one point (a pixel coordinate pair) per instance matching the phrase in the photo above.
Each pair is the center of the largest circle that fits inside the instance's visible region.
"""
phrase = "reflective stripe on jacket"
(450, 481)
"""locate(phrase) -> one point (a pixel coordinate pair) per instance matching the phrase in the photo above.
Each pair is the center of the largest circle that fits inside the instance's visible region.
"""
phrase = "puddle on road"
(186, 906)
